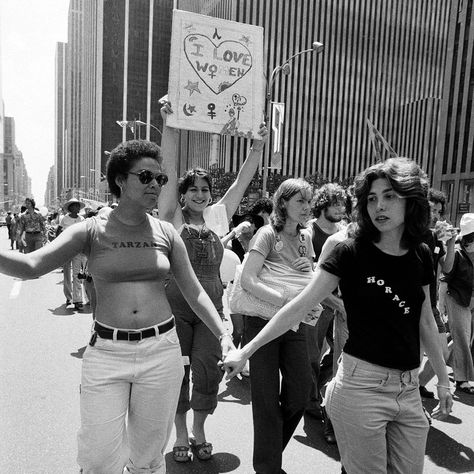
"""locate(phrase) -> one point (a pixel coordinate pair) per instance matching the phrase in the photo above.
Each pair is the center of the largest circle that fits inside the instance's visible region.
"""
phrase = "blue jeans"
(129, 394)
(277, 411)
(377, 417)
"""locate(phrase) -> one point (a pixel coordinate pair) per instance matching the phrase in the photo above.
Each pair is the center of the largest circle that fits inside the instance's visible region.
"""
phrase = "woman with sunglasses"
(205, 251)
(384, 275)
(132, 368)
(458, 268)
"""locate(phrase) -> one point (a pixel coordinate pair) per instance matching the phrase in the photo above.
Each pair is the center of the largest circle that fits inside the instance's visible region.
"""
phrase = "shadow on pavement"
(237, 391)
(465, 398)
(430, 404)
(220, 462)
(314, 438)
(79, 353)
(448, 453)
(62, 311)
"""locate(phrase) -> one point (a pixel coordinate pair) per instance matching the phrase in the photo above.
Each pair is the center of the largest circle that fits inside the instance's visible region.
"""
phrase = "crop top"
(383, 295)
(118, 252)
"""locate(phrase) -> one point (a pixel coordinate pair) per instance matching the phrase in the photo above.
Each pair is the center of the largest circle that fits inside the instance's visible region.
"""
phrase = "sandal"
(203, 450)
(181, 454)
(465, 387)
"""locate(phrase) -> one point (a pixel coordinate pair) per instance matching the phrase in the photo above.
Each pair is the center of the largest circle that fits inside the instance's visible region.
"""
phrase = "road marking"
(15, 289)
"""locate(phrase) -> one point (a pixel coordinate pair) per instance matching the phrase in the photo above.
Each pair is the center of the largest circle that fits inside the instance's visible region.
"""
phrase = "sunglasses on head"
(147, 176)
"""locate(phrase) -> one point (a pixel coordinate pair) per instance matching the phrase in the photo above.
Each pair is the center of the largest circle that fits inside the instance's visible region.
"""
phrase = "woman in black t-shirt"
(384, 275)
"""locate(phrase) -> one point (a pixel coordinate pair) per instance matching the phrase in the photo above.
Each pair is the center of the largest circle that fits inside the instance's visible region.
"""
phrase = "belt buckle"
(135, 336)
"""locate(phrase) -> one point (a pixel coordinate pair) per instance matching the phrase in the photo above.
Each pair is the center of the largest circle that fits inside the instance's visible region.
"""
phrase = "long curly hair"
(410, 182)
(285, 192)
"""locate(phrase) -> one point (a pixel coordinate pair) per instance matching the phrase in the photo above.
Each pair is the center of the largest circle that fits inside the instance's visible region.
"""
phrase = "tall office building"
(17, 183)
(50, 195)
(60, 145)
(117, 69)
(454, 154)
(382, 61)
(74, 49)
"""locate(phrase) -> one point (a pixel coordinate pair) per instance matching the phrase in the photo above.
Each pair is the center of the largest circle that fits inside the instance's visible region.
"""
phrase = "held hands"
(233, 363)
(445, 405)
(226, 344)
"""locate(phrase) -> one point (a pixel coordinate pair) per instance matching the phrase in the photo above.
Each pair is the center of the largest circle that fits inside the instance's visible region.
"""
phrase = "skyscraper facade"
(60, 148)
(454, 154)
(17, 183)
(117, 69)
(382, 61)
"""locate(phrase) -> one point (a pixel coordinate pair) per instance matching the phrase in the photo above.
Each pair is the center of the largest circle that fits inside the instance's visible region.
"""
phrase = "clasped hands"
(233, 362)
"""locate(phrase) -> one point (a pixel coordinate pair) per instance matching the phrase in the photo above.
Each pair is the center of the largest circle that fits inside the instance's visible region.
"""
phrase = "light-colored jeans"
(72, 286)
(129, 394)
(378, 418)
(461, 327)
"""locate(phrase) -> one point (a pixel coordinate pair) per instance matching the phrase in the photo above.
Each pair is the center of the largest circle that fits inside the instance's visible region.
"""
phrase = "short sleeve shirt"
(277, 247)
(383, 295)
(32, 222)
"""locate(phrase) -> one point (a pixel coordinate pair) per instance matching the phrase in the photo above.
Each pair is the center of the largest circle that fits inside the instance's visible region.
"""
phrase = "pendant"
(279, 246)
(203, 252)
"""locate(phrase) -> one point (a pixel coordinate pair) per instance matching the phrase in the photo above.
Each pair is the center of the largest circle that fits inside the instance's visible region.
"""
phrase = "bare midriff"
(131, 304)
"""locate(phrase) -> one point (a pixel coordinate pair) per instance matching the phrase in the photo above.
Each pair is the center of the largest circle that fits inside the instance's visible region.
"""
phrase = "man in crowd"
(328, 210)
(32, 227)
(72, 285)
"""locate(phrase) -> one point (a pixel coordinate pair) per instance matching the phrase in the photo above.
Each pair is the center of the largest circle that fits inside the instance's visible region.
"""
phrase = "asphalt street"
(41, 345)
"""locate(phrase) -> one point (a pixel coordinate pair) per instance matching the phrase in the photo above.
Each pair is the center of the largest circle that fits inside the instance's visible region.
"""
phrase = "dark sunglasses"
(147, 176)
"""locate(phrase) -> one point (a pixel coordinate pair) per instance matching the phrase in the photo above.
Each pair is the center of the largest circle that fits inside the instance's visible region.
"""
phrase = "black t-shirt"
(318, 238)
(382, 296)
(437, 251)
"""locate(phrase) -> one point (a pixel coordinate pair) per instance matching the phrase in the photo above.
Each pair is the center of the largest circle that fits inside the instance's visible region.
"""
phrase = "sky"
(29, 31)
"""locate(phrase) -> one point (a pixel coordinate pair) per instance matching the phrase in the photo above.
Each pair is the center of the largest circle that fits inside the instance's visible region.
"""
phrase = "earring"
(210, 200)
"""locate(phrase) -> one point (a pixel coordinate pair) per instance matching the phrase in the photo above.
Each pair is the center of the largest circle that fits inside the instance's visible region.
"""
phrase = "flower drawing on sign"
(219, 66)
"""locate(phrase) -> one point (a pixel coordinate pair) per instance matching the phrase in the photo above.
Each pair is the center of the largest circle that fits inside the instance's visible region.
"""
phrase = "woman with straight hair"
(383, 274)
(284, 248)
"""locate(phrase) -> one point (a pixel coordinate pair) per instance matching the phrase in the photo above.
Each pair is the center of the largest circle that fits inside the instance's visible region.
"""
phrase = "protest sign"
(216, 81)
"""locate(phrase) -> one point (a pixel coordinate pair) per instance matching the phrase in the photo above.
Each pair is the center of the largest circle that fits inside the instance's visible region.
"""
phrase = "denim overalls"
(200, 348)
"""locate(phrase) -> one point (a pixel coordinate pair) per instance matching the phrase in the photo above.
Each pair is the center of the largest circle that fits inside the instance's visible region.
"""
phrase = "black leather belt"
(138, 335)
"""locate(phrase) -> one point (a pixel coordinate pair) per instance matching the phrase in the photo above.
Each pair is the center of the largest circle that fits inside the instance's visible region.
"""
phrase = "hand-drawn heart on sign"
(219, 66)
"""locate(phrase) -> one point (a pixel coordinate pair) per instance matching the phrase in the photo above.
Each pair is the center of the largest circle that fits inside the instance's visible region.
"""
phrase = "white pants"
(72, 286)
(129, 395)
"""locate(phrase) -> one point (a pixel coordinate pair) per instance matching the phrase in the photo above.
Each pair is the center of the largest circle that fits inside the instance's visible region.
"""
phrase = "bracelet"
(443, 386)
(226, 334)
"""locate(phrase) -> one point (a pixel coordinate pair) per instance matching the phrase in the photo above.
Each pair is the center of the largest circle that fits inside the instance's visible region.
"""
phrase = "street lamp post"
(136, 124)
(139, 123)
(285, 69)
